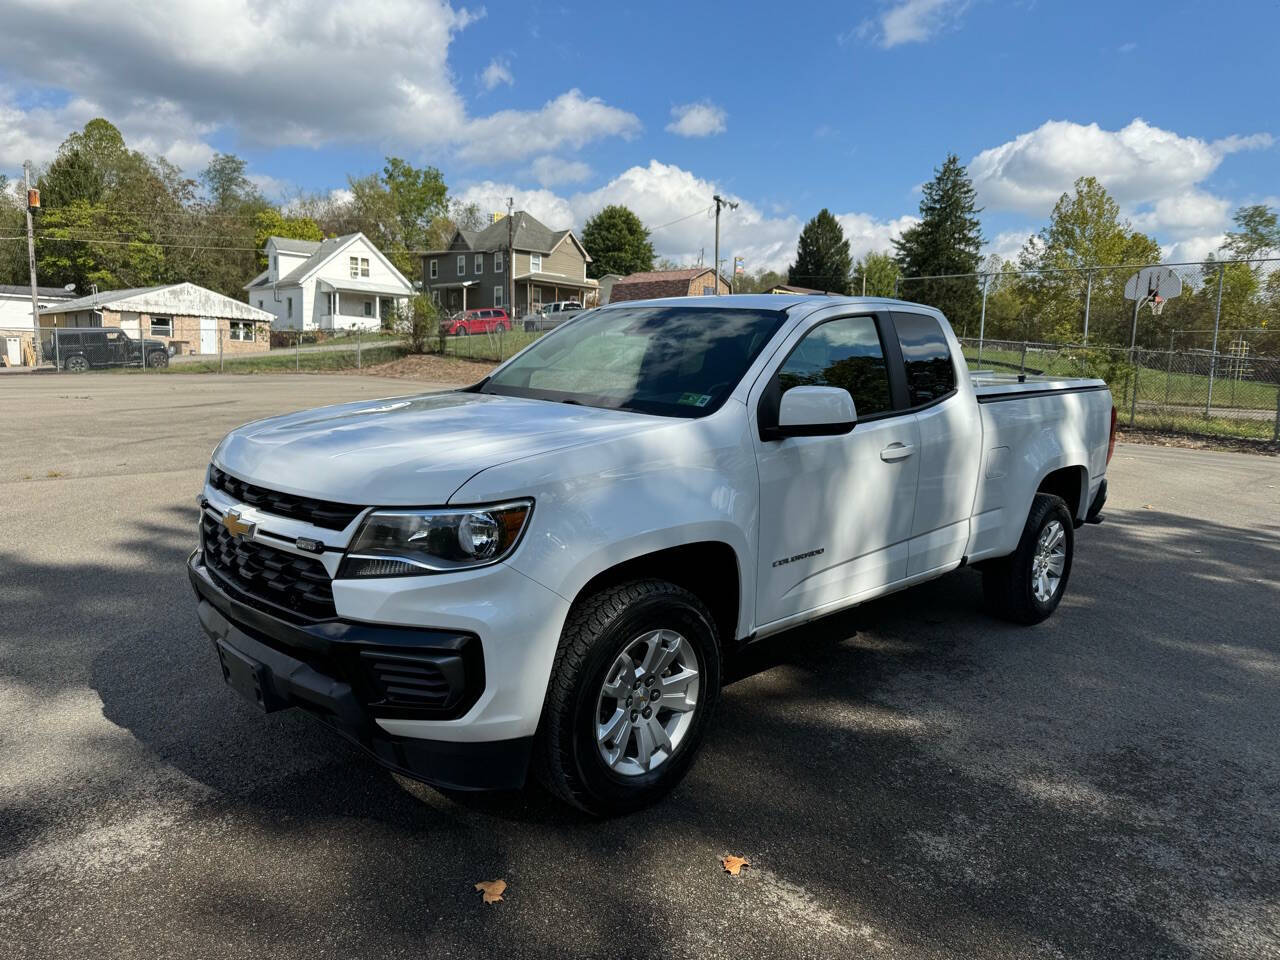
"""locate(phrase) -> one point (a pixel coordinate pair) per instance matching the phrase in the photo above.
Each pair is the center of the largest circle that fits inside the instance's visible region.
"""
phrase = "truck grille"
(321, 513)
(298, 584)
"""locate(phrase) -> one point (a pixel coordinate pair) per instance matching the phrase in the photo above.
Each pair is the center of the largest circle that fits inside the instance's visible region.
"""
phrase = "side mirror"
(812, 412)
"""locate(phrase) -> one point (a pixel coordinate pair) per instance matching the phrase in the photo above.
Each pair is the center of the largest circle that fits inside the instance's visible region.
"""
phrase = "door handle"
(896, 451)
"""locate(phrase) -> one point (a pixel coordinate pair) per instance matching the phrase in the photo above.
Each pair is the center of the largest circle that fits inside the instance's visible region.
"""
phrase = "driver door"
(836, 511)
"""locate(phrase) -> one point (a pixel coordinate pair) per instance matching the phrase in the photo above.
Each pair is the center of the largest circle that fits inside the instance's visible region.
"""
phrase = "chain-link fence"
(1223, 394)
(1221, 302)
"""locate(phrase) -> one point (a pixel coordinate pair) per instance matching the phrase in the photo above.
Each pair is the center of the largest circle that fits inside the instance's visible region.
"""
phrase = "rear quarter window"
(931, 374)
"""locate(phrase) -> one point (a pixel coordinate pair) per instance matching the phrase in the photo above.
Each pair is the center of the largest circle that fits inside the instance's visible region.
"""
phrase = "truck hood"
(413, 450)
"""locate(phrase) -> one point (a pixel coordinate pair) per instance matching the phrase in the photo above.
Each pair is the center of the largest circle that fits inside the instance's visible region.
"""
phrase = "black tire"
(76, 365)
(1008, 583)
(567, 759)
(157, 358)
(461, 330)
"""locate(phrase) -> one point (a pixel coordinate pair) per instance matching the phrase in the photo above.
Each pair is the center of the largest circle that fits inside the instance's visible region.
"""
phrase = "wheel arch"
(1071, 483)
(709, 569)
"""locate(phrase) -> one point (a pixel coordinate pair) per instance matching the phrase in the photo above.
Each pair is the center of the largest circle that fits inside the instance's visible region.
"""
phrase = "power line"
(145, 243)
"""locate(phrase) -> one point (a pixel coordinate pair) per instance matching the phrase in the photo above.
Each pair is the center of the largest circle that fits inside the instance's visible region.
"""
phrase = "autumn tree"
(617, 242)
(823, 261)
(947, 241)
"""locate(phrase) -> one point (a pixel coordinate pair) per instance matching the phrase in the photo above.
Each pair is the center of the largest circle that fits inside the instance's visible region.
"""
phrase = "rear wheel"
(1027, 585)
(77, 364)
(634, 683)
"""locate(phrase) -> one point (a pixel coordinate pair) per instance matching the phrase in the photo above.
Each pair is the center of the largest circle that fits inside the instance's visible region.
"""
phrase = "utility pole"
(32, 195)
(720, 202)
(511, 258)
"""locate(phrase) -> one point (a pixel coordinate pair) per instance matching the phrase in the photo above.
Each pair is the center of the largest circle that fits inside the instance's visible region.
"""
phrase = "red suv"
(487, 320)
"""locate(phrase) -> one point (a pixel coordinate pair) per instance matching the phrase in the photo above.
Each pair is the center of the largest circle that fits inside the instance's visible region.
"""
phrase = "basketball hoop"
(1156, 304)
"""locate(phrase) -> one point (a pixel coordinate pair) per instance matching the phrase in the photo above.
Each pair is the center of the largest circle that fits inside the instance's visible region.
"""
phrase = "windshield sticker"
(695, 399)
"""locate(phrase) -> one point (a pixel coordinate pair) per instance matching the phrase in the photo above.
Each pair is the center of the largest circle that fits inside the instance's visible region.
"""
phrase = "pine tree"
(617, 242)
(823, 261)
(947, 240)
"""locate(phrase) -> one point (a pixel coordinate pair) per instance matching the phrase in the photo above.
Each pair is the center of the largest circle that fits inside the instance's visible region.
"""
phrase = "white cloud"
(1153, 174)
(1008, 244)
(910, 21)
(549, 170)
(697, 120)
(661, 193)
(496, 73)
(570, 120)
(305, 73)
(1138, 164)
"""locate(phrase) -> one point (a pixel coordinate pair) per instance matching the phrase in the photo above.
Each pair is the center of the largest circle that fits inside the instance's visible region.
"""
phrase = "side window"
(842, 353)
(930, 372)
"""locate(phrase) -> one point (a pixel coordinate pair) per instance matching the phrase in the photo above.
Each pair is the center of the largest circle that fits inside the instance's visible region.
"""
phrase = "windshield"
(672, 361)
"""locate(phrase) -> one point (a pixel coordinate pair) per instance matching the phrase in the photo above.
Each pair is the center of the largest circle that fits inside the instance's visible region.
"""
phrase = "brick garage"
(184, 316)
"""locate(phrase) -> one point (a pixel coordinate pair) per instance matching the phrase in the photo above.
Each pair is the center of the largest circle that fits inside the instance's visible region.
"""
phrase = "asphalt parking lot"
(911, 779)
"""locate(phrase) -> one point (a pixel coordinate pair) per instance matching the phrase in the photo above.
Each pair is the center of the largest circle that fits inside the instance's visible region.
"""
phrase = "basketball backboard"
(1151, 282)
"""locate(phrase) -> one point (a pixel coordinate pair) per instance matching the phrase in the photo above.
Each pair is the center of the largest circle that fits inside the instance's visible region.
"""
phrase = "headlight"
(398, 543)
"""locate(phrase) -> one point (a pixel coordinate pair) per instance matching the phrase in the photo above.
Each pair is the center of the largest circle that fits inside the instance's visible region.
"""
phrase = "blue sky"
(571, 106)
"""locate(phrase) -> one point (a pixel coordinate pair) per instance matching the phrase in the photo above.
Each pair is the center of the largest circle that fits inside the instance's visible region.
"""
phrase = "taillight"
(1111, 443)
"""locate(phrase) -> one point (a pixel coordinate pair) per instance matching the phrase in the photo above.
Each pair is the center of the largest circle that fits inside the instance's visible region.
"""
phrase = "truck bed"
(989, 386)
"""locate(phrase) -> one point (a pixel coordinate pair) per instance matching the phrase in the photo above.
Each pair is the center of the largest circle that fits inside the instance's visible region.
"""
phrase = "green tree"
(227, 185)
(1084, 231)
(881, 272)
(396, 209)
(947, 240)
(617, 242)
(1257, 233)
(823, 261)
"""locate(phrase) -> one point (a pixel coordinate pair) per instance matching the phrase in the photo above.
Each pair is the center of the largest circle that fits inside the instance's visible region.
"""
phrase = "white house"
(334, 283)
(16, 322)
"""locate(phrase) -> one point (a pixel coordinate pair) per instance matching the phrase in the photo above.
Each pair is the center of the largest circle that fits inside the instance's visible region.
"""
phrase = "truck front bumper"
(360, 678)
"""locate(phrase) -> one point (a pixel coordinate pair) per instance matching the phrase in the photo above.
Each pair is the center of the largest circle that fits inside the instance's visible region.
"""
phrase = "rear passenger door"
(835, 511)
(950, 432)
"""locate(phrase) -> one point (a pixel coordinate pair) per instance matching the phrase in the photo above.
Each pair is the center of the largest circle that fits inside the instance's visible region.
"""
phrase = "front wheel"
(157, 358)
(633, 686)
(76, 365)
(1027, 586)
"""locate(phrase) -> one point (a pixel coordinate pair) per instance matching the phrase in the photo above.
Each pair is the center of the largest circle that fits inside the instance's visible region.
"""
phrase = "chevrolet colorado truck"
(547, 570)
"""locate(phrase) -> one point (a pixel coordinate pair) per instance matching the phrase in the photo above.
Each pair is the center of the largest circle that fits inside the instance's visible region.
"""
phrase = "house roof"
(792, 288)
(290, 245)
(528, 234)
(318, 254)
(184, 299)
(651, 284)
(44, 293)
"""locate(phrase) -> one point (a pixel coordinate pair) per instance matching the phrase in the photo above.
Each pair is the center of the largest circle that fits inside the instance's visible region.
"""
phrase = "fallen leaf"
(733, 865)
(492, 890)
(1147, 506)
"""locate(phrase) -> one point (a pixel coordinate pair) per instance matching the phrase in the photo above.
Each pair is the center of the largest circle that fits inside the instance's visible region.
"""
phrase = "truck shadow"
(910, 765)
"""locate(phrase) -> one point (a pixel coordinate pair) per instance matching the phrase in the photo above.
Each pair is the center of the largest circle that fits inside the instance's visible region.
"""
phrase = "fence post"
(1213, 355)
(1275, 434)
(1088, 295)
(982, 318)
(1133, 404)
(359, 347)
(1022, 364)
(220, 348)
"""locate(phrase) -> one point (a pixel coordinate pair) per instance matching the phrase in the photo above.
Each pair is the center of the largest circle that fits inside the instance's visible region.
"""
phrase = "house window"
(435, 269)
(535, 263)
(354, 264)
(260, 305)
(242, 330)
(462, 265)
(708, 291)
(275, 264)
(288, 307)
(497, 295)
(162, 326)
(368, 308)
(479, 263)
(497, 262)
(364, 266)
(435, 297)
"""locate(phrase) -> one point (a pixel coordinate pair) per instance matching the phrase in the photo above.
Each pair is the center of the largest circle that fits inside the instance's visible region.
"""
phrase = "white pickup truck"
(549, 569)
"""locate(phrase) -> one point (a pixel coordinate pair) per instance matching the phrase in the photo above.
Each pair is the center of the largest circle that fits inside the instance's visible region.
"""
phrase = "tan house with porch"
(473, 270)
(188, 318)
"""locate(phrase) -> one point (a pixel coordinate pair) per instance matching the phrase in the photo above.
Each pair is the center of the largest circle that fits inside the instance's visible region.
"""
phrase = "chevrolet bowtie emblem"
(236, 527)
